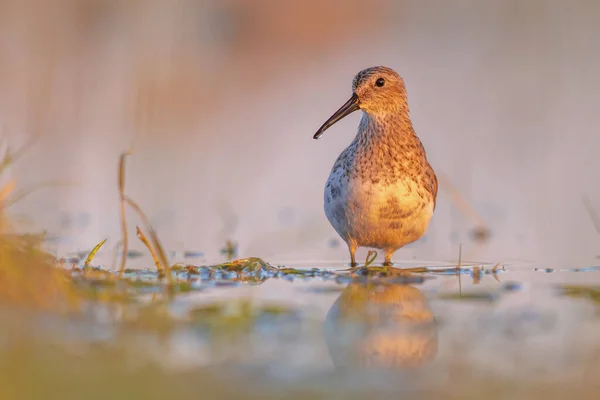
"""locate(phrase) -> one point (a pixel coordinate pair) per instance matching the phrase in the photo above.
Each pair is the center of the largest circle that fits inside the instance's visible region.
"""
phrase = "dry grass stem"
(144, 240)
(153, 237)
(124, 240)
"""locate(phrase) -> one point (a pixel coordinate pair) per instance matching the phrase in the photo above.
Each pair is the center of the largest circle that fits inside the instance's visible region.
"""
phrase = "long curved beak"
(348, 108)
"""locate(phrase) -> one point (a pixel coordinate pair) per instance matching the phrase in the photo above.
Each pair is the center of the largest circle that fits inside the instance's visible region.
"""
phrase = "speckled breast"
(385, 216)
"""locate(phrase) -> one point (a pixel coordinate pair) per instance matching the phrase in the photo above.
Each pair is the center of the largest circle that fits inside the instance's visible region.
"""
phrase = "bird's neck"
(386, 150)
(385, 128)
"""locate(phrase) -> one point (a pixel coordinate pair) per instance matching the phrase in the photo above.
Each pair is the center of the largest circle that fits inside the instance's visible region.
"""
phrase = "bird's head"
(377, 91)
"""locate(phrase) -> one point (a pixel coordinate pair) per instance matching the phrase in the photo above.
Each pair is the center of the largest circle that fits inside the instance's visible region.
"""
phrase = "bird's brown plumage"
(381, 191)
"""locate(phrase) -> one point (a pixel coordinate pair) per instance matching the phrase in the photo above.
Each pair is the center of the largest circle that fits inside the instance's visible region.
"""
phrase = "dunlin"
(381, 191)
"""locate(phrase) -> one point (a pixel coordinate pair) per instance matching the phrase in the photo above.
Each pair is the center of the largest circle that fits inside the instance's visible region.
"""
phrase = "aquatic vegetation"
(470, 296)
(241, 315)
(229, 250)
(583, 292)
(91, 255)
(29, 276)
(144, 240)
(125, 237)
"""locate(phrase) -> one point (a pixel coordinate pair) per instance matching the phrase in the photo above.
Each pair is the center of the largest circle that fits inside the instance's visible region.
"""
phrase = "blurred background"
(220, 99)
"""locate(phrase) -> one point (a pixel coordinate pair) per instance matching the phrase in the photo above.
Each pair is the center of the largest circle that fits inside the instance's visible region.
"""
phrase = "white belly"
(376, 215)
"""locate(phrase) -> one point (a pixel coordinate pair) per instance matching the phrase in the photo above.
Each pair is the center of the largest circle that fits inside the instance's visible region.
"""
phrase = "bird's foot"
(353, 268)
(388, 268)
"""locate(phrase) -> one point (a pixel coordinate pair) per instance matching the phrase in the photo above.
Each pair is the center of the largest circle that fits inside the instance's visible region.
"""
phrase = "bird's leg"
(352, 249)
(388, 259)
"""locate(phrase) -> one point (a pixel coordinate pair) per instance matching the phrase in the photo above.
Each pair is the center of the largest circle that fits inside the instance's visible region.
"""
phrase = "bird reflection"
(381, 325)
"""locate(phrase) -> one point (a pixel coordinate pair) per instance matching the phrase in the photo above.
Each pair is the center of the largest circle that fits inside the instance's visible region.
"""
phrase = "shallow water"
(418, 332)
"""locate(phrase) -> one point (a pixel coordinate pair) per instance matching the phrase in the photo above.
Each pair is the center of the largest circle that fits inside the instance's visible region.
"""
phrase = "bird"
(381, 192)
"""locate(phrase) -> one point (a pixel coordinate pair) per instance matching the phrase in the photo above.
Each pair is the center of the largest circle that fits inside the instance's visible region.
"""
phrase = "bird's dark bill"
(348, 108)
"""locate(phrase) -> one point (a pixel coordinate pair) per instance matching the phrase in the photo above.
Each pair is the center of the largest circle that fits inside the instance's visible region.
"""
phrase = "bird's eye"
(380, 82)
